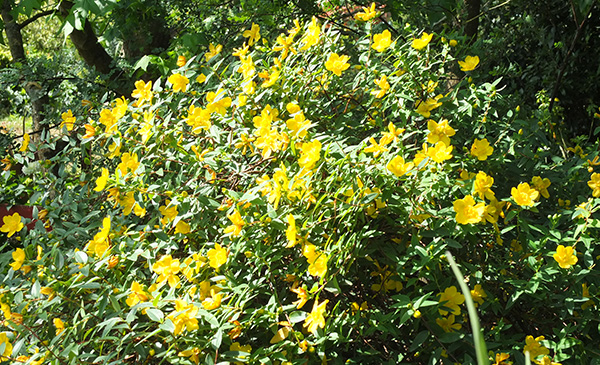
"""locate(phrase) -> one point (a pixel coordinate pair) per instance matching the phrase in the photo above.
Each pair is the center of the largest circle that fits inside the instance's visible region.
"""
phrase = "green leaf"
(167, 325)
(142, 63)
(108, 325)
(419, 339)
(81, 257)
(155, 314)
(217, 339)
(297, 316)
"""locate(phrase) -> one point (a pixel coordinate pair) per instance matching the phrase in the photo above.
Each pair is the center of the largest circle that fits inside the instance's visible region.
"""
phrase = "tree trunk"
(36, 92)
(87, 44)
(93, 53)
(472, 25)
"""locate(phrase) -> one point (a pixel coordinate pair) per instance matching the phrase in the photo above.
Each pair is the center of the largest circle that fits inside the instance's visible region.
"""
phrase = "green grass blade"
(480, 347)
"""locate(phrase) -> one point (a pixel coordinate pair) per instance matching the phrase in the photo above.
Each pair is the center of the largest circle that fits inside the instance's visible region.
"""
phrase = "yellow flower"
(99, 244)
(68, 120)
(113, 261)
(16, 318)
(7, 163)
(375, 148)
(391, 135)
(317, 260)
(546, 361)
(337, 64)
(25, 143)
(302, 296)
(217, 256)
(447, 324)
(129, 162)
(311, 37)
(367, 13)
(167, 269)
(179, 82)
(217, 102)
(101, 181)
(120, 108)
(201, 78)
(425, 107)
(439, 131)
(440, 152)
(318, 267)
(142, 92)
(524, 195)
(7, 346)
(477, 293)
(284, 44)
(182, 227)
(298, 124)
(245, 143)
(594, 184)
(270, 78)
(247, 69)
(382, 41)
(181, 61)
(451, 299)
(481, 149)
(310, 153)
(467, 212)
(384, 86)
(186, 317)
(269, 140)
(193, 354)
(198, 119)
(294, 31)
(469, 63)
(483, 184)
(90, 131)
(236, 228)
(108, 119)
(169, 212)
(19, 256)
(48, 291)
(420, 43)
(291, 232)
(500, 359)
(315, 318)
(398, 167)
(541, 185)
(12, 224)
(212, 51)
(253, 34)
(453, 43)
(137, 295)
(213, 301)
(534, 347)
(59, 324)
(565, 256)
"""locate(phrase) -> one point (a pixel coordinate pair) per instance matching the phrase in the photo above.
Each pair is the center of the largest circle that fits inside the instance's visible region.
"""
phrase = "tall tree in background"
(35, 91)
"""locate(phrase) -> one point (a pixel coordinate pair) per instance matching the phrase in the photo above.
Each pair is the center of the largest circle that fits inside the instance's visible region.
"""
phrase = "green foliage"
(264, 208)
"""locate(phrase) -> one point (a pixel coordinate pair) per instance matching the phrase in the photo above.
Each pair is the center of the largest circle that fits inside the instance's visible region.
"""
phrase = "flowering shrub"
(291, 203)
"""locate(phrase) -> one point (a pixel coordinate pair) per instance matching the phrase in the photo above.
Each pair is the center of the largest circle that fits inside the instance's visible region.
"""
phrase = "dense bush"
(293, 202)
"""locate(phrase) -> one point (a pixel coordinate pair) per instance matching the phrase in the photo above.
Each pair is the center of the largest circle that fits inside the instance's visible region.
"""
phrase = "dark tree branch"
(36, 17)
